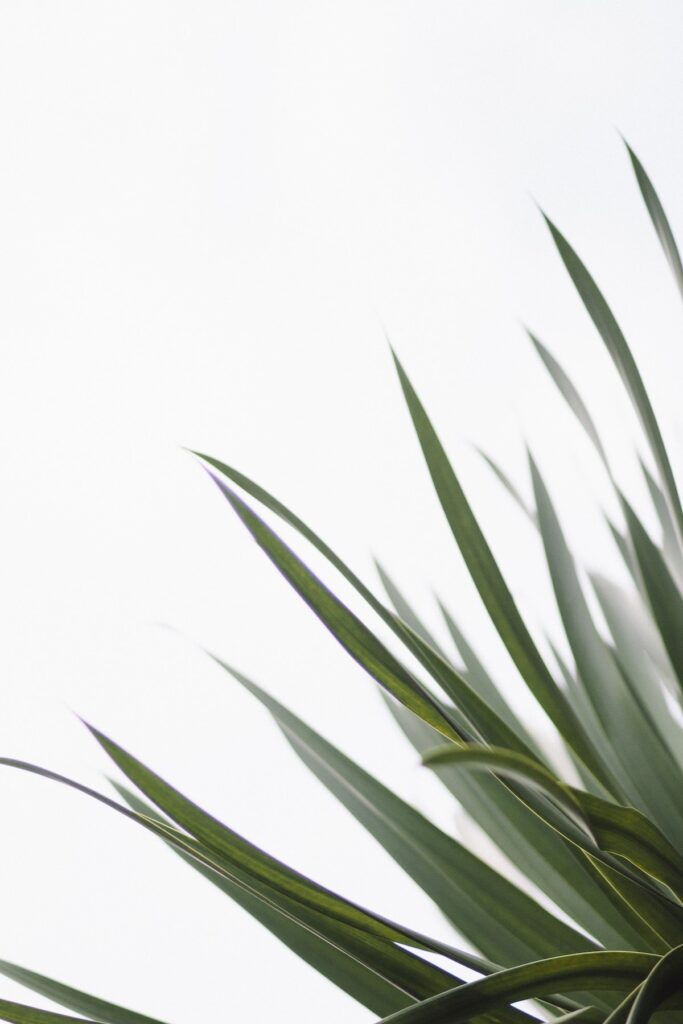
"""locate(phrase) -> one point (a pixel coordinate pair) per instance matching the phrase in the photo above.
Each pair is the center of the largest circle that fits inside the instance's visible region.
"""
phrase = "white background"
(209, 214)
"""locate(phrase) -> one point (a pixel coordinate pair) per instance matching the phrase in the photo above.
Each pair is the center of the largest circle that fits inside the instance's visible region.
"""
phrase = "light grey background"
(209, 215)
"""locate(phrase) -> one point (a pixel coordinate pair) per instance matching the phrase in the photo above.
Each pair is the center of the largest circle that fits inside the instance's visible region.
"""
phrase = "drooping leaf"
(556, 866)
(663, 981)
(600, 971)
(592, 823)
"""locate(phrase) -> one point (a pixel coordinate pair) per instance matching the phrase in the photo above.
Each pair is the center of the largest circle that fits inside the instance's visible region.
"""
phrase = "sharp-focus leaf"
(346, 923)
(349, 971)
(347, 628)
(423, 650)
(17, 1013)
(471, 712)
(663, 981)
(600, 971)
(71, 998)
(493, 589)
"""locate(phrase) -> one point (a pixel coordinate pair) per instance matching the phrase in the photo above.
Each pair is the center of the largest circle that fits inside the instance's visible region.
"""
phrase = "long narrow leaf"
(502, 922)
(492, 587)
(618, 348)
(73, 998)
(658, 218)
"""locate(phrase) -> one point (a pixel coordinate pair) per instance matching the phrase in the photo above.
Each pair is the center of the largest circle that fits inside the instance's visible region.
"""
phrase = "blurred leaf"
(665, 597)
(645, 768)
(557, 867)
(493, 589)
(617, 346)
(571, 396)
(658, 218)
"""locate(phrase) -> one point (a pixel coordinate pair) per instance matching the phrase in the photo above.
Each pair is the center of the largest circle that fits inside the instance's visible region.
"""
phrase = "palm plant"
(603, 844)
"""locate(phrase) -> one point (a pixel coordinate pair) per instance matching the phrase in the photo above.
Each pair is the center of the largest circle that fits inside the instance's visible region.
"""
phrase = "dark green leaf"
(663, 981)
(495, 916)
(600, 971)
(72, 998)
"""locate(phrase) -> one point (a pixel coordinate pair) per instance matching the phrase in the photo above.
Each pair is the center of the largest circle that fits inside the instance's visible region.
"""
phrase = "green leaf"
(405, 611)
(600, 971)
(572, 397)
(618, 348)
(663, 593)
(432, 660)
(480, 679)
(256, 871)
(17, 1013)
(556, 866)
(641, 656)
(670, 547)
(347, 628)
(73, 998)
(642, 763)
(324, 955)
(501, 921)
(471, 713)
(658, 218)
(594, 824)
(663, 981)
(507, 483)
(347, 968)
(493, 589)
(511, 765)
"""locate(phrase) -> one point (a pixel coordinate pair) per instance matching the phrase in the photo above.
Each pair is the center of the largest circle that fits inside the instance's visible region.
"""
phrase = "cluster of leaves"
(607, 853)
